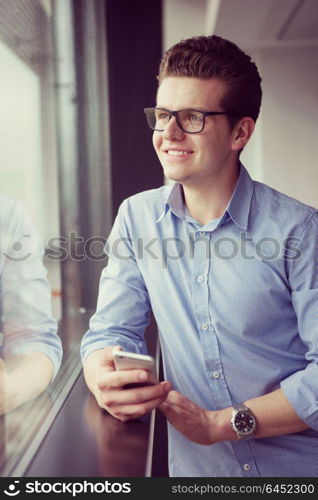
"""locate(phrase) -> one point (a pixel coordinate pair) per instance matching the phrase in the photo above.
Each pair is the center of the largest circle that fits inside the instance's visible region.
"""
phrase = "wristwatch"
(243, 421)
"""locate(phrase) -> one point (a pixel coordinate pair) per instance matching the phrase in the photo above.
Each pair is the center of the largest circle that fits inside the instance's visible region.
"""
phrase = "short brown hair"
(214, 57)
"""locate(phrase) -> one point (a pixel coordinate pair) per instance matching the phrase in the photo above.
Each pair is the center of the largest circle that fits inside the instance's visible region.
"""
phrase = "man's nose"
(172, 130)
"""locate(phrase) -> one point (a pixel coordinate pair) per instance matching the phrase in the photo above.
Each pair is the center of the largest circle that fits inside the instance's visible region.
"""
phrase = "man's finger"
(136, 411)
(117, 379)
(173, 404)
(136, 395)
(166, 408)
(108, 358)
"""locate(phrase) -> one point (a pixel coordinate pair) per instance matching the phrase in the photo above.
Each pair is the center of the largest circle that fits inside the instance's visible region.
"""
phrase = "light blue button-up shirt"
(236, 303)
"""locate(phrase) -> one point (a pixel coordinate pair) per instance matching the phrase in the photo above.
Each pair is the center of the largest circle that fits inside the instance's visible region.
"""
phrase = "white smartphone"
(129, 360)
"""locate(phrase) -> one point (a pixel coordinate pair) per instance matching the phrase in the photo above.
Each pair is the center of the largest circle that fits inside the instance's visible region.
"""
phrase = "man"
(229, 268)
(30, 349)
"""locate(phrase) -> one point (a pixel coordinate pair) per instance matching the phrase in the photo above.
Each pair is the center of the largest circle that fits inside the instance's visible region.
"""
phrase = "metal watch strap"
(244, 408)
(241, 407)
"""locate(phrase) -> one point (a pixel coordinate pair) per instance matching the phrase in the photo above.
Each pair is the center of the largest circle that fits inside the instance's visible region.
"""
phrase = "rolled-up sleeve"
(26, 319)
(301, 388)
(123, 307)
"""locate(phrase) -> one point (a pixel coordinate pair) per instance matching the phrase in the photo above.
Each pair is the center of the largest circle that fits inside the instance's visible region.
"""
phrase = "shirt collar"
(173, 201)
(240, 203)
(238, 207)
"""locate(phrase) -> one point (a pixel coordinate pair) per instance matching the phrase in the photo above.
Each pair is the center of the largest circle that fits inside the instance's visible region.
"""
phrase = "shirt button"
(204, 327)
(247, 467)
(216, 374)
(200, 279)
(202, 233)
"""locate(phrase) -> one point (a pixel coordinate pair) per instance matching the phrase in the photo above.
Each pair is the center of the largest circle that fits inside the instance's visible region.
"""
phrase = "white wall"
(183, 19)
(285, 153)
(290, 121)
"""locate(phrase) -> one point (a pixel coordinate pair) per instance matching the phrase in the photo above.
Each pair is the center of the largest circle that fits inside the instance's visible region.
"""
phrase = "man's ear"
(242, 133)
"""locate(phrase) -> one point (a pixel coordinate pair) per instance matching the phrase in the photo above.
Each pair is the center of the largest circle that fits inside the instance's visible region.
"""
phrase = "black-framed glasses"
(191, 121)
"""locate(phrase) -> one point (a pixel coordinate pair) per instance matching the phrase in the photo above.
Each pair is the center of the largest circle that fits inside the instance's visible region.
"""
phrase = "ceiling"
(261, 23)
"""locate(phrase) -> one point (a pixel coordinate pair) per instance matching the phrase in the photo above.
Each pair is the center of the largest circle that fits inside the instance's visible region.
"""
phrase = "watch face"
(244, 422)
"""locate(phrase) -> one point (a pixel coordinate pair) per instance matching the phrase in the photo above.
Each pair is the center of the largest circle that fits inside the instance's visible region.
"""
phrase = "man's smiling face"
(193, 159)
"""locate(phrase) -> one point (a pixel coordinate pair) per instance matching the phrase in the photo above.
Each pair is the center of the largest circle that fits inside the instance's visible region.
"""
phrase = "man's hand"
(195, 423)
(23, 377)
(107, 385)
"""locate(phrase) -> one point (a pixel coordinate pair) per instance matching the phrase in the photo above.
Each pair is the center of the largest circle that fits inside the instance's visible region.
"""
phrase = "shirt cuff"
(301, 390)
(55, 357)
(111, 341)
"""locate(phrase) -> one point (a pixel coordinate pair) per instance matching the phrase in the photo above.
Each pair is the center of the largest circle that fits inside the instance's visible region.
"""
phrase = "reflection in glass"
(31, 350)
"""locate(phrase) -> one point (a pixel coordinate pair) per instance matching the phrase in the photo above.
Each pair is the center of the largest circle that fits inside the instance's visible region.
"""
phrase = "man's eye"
(162, 116)
(196, 117)
(192, 116)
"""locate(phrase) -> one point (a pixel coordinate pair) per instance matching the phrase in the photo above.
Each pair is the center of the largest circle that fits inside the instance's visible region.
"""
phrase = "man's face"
(194, 159)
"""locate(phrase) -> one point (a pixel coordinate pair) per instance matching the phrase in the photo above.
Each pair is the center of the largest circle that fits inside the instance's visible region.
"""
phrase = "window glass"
(44, 164)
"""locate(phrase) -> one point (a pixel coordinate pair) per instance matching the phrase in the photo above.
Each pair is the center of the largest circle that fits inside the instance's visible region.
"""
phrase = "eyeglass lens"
(187, 119)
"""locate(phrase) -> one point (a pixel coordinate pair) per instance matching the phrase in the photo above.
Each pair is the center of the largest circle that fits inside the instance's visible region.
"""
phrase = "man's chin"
(174, 174)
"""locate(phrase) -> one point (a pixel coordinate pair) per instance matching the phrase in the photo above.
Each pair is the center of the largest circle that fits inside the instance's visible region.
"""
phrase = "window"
(54, 148)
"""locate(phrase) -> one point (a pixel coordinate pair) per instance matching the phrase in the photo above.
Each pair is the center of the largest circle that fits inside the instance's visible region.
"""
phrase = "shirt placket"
(203, 311)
